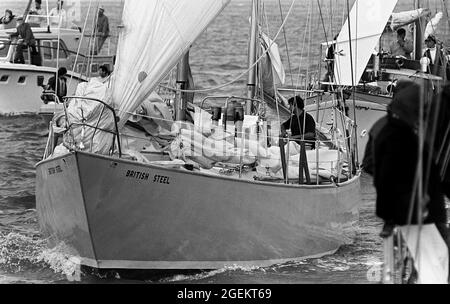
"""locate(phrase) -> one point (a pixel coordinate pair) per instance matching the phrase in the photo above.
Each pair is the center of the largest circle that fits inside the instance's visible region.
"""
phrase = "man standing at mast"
(102, 30)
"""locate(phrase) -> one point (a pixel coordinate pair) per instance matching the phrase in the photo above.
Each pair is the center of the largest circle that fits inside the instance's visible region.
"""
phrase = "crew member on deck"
(402, 46)
(301, 124)
(329, 58)
(434, 53)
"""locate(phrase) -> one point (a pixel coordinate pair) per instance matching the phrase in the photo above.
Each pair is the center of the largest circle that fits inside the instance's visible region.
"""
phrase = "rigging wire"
(80, 43)
(246, 71)
(287, 46)
(308, 16)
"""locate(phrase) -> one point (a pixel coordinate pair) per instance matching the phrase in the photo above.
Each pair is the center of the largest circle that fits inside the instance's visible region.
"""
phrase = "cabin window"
(63, 54)
(4, 48)
(22, 79)
(94, 68)
(81, 68)
(4, 78)
(47, 50)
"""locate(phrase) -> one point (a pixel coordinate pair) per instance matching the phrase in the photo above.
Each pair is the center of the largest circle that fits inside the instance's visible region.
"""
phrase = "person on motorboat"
(37, 15)
(104, 73)
(58, 15)
(301, 124)
(8, 21)
(25, 40)
(402, 47)
(60, 80)
(38, 10)
(102, 30)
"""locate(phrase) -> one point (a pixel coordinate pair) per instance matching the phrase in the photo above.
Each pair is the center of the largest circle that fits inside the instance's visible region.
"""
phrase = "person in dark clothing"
(395, 156)
(102, 30)
(60, 80)
(301, 124)
(368, 165)
(330, 56)
(26, 40)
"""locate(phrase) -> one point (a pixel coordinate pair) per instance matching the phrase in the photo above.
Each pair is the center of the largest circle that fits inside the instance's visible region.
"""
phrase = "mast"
(418, 34)
(252, 53)
(182, 82)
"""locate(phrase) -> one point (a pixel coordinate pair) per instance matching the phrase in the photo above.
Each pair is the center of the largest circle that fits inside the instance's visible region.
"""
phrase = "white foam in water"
(61, 261)
(205, 275)
(19, 252)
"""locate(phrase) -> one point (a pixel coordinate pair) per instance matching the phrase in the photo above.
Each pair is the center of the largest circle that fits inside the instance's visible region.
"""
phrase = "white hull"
(186, 220)
(20, 93)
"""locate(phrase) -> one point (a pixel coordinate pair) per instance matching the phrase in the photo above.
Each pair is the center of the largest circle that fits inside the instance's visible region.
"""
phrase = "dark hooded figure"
(396, 156)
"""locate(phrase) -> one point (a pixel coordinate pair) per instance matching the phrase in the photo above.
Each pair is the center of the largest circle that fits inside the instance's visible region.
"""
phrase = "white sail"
(275, 58)
(155, 35)
(432, 25)
(367, 21)
(430, 254)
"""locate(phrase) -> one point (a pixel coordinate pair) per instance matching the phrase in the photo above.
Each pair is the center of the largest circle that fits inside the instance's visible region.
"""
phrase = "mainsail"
(367, 22)
(154, 37)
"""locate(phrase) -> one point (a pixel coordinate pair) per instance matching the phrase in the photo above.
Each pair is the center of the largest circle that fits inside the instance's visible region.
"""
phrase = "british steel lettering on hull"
(137, 175)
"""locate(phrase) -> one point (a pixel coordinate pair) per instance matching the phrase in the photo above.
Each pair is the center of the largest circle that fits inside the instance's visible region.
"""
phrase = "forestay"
(367, 22)
(154, 37)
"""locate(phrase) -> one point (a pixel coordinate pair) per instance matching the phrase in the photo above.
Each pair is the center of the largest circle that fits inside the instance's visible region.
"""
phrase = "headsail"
(367, 20)
(433, 24)
(155, 35)
(272, 67)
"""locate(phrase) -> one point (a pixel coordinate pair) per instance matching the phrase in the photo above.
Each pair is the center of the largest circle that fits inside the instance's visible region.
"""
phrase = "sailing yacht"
(361, 66)
(20, 88)
(222, 191)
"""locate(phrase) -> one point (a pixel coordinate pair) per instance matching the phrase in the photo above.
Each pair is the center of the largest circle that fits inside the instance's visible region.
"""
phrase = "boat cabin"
(52, 56)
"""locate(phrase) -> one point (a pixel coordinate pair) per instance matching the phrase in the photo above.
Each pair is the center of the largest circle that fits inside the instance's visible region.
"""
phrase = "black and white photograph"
(222, 147)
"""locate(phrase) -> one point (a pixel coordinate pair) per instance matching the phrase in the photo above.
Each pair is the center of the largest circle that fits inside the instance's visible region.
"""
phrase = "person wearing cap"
(301, 124)
(8, 21)
(25, 40)
(401, 47)
(58, 15)
(102, 30)
(433, 52)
